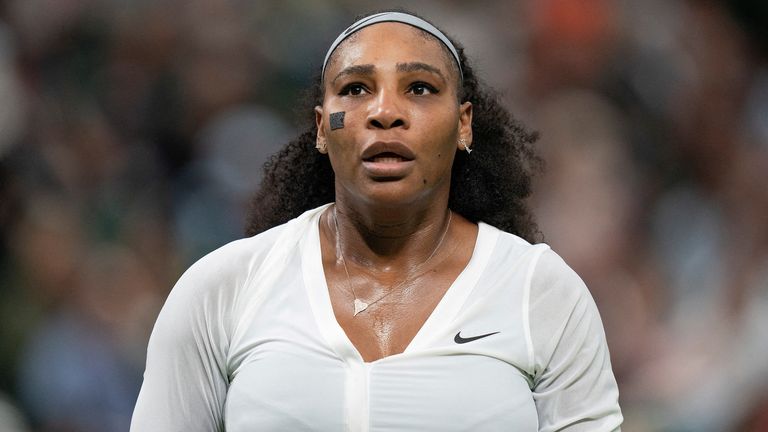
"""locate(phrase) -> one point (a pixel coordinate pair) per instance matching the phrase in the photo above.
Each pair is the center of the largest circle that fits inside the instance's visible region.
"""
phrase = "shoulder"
(236, 254)
(231, 261)
(548, 275)
(205, 295)
(208, 293)
(511, 251)
(227, 270)
(554, 278)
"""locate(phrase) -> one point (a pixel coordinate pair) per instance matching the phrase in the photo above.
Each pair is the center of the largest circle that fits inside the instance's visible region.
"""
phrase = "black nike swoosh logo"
(460, 340)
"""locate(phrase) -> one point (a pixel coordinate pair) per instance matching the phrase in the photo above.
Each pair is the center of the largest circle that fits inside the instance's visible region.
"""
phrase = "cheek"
(438, 158)
(442, 136)
(342, 150)
(442, 120)
(341, 119)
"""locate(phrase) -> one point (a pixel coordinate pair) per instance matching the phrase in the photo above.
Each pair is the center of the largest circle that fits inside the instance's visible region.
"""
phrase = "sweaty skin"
(392, 162)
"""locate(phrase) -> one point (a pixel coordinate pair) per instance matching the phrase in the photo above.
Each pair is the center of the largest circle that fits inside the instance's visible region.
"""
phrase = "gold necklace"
(360, 305)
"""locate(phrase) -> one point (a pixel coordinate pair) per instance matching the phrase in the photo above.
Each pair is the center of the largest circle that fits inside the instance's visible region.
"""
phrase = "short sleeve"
(185, 381)
(573, 387)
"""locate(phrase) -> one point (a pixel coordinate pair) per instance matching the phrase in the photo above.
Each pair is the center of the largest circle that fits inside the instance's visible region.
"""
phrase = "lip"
(388, 160)
(395, 147)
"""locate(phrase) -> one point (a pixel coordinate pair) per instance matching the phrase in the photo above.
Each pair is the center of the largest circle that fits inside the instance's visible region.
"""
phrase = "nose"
(386, 113)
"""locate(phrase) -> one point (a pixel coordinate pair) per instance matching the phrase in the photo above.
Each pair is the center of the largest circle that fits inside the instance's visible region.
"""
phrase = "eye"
(354, 89)
(421, 88)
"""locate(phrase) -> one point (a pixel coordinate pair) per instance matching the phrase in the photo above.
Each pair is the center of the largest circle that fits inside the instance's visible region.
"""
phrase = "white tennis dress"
(247, 341)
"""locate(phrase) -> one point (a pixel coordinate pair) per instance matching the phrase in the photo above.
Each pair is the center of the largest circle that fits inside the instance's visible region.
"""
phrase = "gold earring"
(321, 146)
(463, 143)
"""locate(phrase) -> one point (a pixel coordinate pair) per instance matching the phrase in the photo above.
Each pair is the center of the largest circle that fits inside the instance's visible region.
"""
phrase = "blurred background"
(132, 134)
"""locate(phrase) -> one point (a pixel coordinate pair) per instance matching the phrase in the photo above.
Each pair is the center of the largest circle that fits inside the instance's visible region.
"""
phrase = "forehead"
(391, 42)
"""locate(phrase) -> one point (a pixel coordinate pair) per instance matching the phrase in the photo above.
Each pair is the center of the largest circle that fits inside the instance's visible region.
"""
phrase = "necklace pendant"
(360, 306)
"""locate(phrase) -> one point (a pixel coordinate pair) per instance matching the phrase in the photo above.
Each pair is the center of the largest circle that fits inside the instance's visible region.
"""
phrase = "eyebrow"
(368, 69)
(419, 66)
(365, 69)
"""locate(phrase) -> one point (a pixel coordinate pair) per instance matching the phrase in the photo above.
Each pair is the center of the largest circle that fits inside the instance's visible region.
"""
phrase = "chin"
(395, 193)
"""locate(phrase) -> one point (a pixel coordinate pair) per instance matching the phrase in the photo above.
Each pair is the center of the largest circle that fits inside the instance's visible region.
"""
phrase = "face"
(402, 119)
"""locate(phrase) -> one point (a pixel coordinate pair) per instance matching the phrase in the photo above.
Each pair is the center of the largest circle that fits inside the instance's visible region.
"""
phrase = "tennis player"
(393, 282)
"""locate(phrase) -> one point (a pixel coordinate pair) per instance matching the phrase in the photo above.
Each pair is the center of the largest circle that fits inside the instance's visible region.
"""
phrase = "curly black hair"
(490, 185)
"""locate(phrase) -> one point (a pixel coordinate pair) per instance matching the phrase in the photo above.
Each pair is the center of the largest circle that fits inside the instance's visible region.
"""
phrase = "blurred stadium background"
(132, 134)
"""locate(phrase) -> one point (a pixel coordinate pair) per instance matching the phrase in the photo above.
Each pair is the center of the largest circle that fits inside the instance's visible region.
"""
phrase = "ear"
(465, 124)
(321, 143)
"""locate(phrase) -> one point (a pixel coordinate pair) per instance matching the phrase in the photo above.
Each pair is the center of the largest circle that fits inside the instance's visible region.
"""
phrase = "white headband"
(394, 17)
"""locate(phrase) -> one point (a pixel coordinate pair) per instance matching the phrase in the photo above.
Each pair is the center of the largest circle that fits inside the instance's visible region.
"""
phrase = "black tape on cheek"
(337, 120)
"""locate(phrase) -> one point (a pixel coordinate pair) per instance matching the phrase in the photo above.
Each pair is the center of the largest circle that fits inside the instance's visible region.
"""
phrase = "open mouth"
(392, 151)
(388, 161)
(386, 158)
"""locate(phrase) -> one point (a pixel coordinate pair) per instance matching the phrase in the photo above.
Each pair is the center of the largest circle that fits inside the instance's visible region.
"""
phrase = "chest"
(388, 325)
(382, 315)
(448, 393)
(295, 367)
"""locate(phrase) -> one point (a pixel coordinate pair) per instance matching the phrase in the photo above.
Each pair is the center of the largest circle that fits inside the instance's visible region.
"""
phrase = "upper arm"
(574, 387)
(185, 381)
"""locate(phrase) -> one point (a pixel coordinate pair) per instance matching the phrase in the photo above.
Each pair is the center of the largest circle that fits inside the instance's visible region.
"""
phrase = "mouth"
(388, 160)
(390, 151)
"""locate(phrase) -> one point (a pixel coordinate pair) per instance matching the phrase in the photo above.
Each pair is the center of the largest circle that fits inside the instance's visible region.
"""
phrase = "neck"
(390, 239)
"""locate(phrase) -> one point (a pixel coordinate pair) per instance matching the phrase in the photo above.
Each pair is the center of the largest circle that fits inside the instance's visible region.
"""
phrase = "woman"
(395, 304)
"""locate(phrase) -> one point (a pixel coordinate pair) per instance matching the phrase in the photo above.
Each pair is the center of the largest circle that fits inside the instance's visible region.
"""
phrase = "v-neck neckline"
(318, 293)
